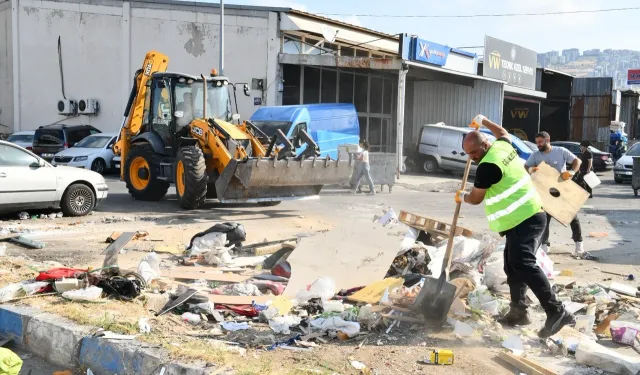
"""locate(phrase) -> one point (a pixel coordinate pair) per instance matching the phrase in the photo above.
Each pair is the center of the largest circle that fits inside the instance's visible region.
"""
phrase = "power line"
(481, 15)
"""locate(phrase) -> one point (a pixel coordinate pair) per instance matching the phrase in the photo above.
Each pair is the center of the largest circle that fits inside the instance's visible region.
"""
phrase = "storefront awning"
(514, 90)
(419, 70)
(330, 60)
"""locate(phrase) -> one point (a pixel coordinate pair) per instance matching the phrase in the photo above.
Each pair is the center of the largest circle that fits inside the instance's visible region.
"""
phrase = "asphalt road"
(614, 210)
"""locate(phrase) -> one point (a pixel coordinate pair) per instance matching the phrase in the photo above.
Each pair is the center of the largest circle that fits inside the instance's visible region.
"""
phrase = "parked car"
(94, 152)
(602, 161)
(28, 182)
(49, 140)
(440, 147)
(22, 139)
(623, 169)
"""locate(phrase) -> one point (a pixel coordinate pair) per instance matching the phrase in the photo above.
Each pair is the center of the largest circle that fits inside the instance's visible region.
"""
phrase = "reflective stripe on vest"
(513, 199)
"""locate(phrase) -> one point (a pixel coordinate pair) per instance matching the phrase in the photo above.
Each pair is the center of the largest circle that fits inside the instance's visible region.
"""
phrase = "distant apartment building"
(571, 54)
(592, 52)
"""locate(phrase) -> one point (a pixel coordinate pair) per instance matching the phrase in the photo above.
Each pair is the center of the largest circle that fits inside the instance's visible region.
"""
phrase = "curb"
(65, 343)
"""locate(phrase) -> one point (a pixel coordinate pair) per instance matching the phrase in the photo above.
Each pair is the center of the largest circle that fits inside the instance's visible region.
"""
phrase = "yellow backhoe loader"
(177, 129)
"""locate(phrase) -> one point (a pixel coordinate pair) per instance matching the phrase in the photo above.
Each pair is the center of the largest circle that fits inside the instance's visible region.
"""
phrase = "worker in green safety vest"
(514, 209)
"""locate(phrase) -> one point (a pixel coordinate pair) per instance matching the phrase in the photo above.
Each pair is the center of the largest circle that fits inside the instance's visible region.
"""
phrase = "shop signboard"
(509, 62)
(633, 77)
(429, 52)
(521, 118)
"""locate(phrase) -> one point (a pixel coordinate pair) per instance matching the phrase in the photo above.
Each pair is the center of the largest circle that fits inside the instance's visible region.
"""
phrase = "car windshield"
(270, 127)
(189, 100)
(93, 142)
(634, 150)
(49, 137)
(20, 138)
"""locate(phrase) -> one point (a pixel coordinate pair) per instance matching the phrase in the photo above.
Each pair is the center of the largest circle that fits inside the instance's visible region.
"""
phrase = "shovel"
(436, 296)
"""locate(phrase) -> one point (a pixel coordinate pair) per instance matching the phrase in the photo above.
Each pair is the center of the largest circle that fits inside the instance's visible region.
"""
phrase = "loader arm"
(133, 115)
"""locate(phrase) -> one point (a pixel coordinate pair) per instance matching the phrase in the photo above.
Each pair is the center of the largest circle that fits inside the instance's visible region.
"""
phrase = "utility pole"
(221, 38)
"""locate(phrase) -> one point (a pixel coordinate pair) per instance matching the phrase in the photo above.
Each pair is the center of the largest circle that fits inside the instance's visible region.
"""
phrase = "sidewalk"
(440, 182)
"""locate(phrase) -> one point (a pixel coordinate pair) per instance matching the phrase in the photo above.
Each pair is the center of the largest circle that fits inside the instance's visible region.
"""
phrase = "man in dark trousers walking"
(585, 167)
(514, 209)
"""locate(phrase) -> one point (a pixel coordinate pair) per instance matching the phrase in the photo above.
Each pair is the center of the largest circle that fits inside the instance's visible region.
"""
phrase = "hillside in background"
(594, 63)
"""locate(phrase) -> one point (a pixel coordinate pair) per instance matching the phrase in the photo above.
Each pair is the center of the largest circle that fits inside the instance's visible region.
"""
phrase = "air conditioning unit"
(88, 106)
(66, 107)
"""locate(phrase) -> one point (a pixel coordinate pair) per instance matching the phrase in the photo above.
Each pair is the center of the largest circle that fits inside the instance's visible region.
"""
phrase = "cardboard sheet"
(356, 254)
(571, 199)
(373, 293)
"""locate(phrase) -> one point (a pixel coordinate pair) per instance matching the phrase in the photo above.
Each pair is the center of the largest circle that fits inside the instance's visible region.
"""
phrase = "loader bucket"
(262, 180)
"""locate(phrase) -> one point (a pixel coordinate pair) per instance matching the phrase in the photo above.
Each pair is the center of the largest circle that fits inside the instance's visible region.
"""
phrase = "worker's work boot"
(555, 322)
(517, 316)
(579, 248)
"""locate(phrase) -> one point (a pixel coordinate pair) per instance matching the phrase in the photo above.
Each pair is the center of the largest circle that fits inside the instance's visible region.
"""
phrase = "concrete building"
(96, 46)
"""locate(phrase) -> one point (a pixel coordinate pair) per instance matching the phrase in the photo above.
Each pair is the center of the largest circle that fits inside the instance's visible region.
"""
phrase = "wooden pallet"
(437, 229)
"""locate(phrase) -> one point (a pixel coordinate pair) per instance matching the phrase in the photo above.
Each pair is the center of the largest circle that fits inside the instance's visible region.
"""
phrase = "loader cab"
(174, 100)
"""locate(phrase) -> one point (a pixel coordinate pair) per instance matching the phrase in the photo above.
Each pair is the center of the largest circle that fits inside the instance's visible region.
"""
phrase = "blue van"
(329, 125)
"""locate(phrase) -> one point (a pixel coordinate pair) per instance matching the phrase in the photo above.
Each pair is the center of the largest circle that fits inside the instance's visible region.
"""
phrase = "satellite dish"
(329, 33)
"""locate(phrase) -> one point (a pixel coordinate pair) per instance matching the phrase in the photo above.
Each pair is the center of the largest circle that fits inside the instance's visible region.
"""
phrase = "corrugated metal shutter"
(629, 114)
(455, 105)
(591, 110)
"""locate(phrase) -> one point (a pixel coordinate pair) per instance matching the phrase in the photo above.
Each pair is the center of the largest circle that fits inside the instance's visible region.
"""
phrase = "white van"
(440, 147)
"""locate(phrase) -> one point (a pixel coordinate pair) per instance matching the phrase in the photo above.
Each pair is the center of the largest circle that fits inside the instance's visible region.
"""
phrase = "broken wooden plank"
(195, 274)
(431, 225)
(113, 237)
(538, 366)
(29, 242)
(521, 365)
(372, 293)
(560, 199)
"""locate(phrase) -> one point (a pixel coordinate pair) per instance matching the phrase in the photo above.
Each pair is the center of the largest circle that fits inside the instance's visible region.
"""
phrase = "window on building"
(311, 85)
(375, 104)
(362, 120)
(375, 55)
(375, 132)
(329, 78)
(362, 53)
(346, 88)
(291, 45)
(346, 51)
(391, 137)
(387, 98)
(361, 93)
(291, 84)
(309, 48)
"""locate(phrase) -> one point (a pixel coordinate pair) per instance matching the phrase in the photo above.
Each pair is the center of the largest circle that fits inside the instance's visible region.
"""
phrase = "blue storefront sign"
(429, 52)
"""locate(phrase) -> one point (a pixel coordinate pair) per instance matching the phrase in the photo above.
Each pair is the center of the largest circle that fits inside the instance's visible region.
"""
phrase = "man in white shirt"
(364, 170)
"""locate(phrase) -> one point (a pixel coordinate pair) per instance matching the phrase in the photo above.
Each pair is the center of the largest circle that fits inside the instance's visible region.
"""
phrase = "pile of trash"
(360, 282)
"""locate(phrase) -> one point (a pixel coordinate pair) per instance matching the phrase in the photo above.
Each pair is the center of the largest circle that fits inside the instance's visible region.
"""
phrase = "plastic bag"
(35, 287)
(335, 323)
(324, 288)
(149, 267)
(10, 292)
(210, 241)
(220, 256)
(91, 293)
(191, 318)
(543, 261)
(281, 324)
(494, 276)
(10, 363)
(626, 333)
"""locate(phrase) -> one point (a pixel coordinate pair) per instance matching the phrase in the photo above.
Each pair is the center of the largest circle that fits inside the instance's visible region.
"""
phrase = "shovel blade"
(435, 299)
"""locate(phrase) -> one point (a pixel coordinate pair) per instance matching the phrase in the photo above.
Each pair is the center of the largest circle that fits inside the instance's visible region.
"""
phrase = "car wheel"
(99, 166)
(78, 200)
(617, 180)
(430, 165)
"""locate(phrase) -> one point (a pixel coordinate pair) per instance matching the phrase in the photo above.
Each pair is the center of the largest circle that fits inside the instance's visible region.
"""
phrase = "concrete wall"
(104, 43)
(6, 68)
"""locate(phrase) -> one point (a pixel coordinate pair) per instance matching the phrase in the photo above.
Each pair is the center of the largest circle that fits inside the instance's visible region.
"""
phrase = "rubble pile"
(258, 296)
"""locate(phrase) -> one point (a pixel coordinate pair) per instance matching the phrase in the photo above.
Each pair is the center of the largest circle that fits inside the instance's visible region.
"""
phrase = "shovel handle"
(446, 262)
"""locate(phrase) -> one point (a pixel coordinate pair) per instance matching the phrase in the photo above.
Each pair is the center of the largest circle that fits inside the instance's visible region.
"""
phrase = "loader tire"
(142, 172)
(191, 177)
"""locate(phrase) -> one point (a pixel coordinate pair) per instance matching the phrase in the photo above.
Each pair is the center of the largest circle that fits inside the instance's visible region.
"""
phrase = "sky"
(616, 30)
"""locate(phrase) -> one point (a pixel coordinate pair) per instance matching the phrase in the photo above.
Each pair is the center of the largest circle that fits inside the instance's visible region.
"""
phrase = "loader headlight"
(80, 158)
